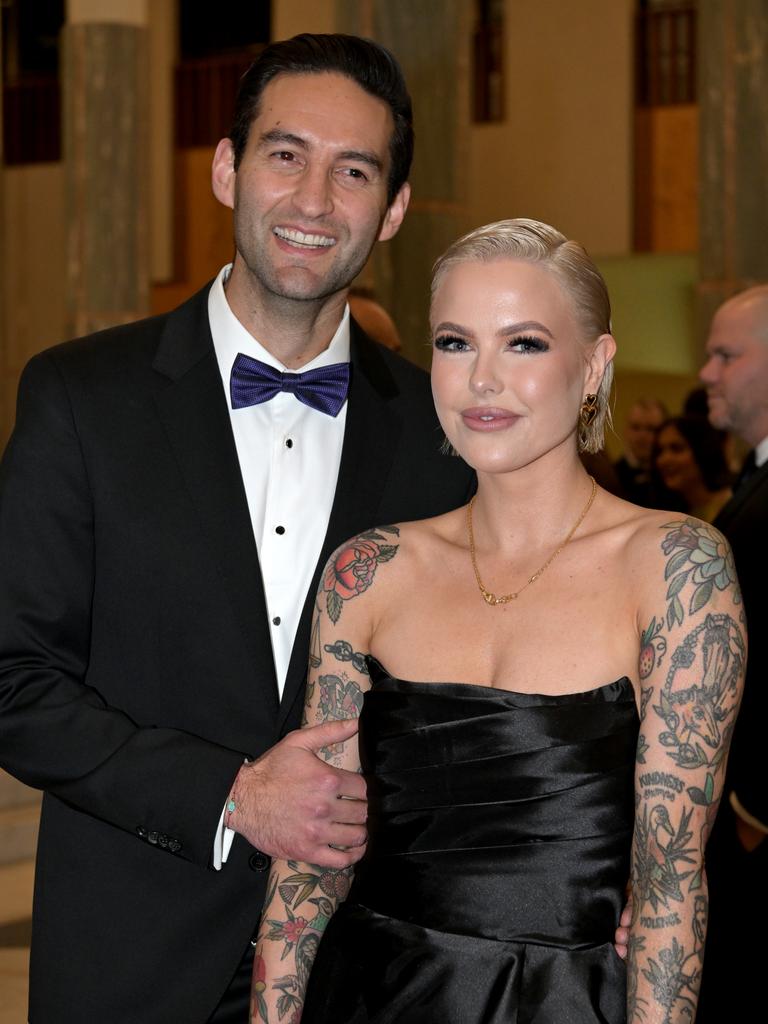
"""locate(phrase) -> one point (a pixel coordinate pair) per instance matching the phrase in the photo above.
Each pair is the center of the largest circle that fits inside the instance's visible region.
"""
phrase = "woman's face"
(675, 462)
(509, 368)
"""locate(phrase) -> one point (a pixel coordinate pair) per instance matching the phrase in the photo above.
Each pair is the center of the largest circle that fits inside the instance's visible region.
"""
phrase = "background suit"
(734, 963)
(135, 661)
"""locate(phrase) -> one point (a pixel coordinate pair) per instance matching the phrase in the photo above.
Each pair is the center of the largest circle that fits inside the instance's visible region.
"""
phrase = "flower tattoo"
(351, 570)
(699, 555)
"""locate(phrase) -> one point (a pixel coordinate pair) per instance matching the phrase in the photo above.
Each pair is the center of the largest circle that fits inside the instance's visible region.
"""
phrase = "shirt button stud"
(258, 861)
(280, 530)
(288, 443)
(276, 620)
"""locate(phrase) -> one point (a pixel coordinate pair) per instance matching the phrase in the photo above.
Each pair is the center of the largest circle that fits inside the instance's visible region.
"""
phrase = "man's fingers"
(350, 812)
(346, 835)
(315, 737)
(351, 785)
(626, 915)
(329, 857)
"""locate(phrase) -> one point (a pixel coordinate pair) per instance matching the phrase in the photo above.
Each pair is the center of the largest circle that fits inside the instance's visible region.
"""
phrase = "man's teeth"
(299, 238)
(487, 418)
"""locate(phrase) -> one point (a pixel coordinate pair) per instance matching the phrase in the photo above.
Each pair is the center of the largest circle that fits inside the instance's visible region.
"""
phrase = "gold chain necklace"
(490, 598)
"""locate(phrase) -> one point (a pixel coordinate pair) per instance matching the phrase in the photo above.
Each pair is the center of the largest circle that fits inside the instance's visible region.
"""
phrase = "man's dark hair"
(372, 67)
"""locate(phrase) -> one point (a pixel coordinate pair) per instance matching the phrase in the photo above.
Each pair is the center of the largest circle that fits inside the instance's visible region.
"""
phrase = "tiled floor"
(15, 911)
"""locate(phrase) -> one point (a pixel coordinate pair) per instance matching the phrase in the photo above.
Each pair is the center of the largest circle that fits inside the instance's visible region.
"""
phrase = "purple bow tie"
(253, 382)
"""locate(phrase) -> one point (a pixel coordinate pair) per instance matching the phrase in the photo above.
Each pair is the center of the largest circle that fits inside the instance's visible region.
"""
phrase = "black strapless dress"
(500, 826)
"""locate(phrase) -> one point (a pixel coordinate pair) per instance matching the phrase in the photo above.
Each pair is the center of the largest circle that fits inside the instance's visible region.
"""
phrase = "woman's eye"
(450, 343)
(529, 344)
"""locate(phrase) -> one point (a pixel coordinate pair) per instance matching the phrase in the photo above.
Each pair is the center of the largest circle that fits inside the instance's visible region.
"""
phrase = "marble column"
(106, 147)
(733, 158)
(430, 38)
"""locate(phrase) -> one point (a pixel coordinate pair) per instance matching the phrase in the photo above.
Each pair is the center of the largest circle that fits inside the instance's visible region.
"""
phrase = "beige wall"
(564, 152)
(289, 17)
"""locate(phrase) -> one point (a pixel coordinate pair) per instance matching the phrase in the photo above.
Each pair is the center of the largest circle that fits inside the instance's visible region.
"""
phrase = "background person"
(689, 460)
(373, 318)
(634, 467)
(736, 378)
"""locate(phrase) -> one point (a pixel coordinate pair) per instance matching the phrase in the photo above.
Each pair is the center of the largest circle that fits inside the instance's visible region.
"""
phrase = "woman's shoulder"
(666, 550)
(643, 527)
(657, 537)
(375, 560)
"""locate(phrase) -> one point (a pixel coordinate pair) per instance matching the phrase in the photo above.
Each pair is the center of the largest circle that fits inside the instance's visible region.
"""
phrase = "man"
(736, 378)
(373, 318)
(161, 539)
(634, 467)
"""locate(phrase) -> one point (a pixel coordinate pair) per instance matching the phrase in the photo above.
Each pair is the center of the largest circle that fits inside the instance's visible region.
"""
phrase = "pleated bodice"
(500, 826)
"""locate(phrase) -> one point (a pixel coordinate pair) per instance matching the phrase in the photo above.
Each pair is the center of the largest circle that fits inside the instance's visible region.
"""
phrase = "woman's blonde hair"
(535, 242)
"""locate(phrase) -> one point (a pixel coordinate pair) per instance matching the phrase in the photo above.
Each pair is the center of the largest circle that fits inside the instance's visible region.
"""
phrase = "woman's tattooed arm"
(691, 667)
(302, 897)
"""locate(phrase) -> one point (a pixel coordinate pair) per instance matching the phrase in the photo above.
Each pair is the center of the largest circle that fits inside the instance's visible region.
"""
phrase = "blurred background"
(634, 126)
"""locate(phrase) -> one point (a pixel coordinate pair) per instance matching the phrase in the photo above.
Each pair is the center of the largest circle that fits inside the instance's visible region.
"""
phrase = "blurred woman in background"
(689, 460)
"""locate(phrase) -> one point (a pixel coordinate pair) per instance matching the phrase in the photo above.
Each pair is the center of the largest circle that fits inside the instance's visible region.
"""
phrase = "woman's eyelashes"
(451, 343)
(529, 343)
(525, 344)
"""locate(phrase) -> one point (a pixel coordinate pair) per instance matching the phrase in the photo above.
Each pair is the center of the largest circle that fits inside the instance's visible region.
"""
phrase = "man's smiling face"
(310, 193)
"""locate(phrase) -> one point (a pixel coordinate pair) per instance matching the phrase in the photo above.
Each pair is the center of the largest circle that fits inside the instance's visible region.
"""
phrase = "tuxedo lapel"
(193, 409)
(370, 438)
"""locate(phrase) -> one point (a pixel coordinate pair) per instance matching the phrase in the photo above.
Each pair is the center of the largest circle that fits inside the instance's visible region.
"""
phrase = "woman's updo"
(535, 242)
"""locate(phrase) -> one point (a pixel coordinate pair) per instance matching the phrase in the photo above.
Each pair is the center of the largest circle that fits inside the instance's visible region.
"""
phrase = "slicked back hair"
(365, 62)
(535, 242)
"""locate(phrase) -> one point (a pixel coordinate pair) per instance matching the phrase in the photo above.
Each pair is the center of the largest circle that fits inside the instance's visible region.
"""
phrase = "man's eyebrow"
(278, 135)
(363, 156)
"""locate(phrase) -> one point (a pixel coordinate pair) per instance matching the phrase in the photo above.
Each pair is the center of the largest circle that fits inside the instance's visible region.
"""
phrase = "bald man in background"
(736, 378)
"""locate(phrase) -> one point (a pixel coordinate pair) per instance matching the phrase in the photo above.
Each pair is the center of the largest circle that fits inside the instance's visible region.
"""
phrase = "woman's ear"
(602, 353)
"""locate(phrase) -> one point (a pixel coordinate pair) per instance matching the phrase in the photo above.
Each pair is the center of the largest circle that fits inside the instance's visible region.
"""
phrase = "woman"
(542, 675)
(689, 458)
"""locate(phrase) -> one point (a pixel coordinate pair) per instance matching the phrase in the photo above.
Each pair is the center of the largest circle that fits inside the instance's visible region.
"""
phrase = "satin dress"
(500, 826)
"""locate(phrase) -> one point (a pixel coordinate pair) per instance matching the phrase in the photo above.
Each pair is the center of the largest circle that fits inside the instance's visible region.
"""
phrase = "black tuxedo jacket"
(135, 659)
(743, 521)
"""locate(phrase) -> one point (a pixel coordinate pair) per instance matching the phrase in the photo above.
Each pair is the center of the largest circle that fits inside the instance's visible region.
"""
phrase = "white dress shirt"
(761, 453)
(289, 459)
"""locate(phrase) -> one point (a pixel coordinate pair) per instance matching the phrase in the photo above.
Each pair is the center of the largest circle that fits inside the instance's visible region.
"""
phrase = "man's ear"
(393, 218)
(602, 353)
(223, 173)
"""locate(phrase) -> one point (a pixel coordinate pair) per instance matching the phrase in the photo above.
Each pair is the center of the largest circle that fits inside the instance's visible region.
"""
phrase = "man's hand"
(291, 804)
(621, 938)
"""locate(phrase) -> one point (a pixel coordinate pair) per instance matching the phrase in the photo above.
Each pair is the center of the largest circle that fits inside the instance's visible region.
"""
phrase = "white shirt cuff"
(746, 816)
(222, 842)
